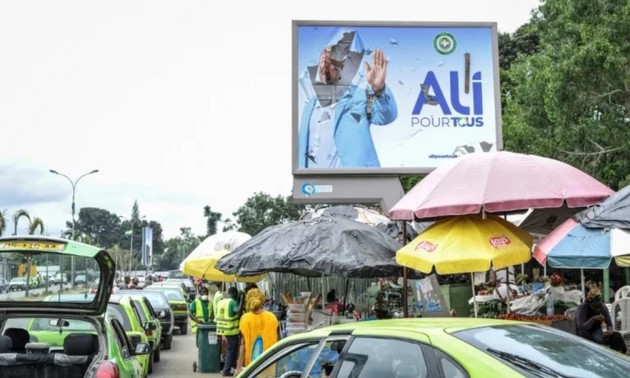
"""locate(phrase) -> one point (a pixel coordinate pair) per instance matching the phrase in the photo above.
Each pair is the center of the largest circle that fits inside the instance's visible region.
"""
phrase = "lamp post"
(74, 188)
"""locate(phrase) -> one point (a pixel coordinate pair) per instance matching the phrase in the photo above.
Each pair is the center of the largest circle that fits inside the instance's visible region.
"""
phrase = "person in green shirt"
(227, 326)
(200, 310)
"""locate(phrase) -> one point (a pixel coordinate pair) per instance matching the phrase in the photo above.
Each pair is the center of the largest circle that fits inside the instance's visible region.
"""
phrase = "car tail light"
(148, 332)
(107, 369)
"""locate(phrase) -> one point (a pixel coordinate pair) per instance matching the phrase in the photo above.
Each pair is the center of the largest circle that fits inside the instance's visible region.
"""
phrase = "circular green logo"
(444, 43)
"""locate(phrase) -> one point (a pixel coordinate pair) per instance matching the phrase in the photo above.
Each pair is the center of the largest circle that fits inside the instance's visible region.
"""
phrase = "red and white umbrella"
(499, 182)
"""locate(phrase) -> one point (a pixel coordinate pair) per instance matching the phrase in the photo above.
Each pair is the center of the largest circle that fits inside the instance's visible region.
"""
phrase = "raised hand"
(377, 72)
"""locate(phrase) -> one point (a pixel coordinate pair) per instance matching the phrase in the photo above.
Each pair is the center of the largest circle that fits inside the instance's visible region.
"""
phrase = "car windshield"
(171, 294)
(530, 346)
(156, 299)
(119, 313)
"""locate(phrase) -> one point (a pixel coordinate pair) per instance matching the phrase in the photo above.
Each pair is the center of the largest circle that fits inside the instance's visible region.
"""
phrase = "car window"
(156, 299)
(149, 307)
(292, 358)
(137, 308)
(52, 324)
(381, 357)
(121, 339)
(450, 368)
(547, 347)
(120, 314)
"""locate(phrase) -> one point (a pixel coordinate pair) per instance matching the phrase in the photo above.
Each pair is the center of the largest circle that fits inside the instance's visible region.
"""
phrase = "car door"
(129, 366)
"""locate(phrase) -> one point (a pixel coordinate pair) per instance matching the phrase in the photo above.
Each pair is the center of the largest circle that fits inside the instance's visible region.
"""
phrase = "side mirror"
(162, 314)
(150, 326)
(142, 349)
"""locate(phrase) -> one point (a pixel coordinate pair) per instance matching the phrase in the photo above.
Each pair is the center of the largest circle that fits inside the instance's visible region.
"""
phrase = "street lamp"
(74, 188)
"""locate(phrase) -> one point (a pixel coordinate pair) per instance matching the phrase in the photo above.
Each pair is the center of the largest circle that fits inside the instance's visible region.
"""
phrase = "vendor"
(332, 303)
(593, 322)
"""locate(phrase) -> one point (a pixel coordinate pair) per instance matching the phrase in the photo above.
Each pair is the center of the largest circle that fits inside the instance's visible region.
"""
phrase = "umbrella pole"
(472, 284)
(582, 281)
(508, 288)
(345, 295)
(606, 285)
(405, 291)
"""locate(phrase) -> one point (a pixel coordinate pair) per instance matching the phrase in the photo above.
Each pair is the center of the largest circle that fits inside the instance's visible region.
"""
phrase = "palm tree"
(37, 223)
(16, 218)
(33, 223)
(211, 222)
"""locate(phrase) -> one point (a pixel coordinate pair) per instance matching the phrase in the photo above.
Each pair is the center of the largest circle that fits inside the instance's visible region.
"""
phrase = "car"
(178, 303)
(189, 285)
(127, 313)
(17, 284)
(437, 347)
(37, 332)
(80, 279)
(4, 286)
(178, 284)
(164, 313)
(150, 323)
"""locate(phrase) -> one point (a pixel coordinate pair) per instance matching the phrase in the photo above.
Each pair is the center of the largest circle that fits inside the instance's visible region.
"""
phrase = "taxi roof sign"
(32, 245)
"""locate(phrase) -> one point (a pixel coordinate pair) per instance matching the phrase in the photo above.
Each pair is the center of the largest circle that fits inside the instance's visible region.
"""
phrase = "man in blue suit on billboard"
(339, 106)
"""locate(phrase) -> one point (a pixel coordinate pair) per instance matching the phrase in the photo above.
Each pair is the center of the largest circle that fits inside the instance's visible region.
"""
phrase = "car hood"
(34, 257)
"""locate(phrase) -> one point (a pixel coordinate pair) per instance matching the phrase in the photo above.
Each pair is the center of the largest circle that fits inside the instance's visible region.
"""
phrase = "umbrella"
(574, 246)
(498, 182)
(467, 244)
(201, 261)
(614, 212)
(316, 247)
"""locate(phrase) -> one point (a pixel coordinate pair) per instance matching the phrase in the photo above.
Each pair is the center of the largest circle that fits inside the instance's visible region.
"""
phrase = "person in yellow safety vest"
(200, 310)
(227, 327)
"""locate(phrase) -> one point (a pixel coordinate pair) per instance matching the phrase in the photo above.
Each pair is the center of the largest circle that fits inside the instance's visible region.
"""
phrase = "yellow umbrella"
(465, 244)
(204, 268)
(201, 261)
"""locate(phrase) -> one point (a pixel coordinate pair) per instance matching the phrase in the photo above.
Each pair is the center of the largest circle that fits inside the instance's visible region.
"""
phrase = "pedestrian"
(125, 284)
(259, 329)
(200, 310)
(593, 322)
(228, 328)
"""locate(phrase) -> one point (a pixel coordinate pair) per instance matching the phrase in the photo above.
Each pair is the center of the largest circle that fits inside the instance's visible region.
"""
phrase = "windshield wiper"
(526, 363)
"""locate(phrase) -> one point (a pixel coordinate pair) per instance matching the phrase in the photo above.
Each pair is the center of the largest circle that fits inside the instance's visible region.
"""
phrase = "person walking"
(227, 328)
(200, 311)
(258, 327)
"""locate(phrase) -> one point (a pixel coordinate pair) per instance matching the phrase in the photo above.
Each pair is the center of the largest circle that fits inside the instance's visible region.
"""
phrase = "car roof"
(118, 298)
(428, 326)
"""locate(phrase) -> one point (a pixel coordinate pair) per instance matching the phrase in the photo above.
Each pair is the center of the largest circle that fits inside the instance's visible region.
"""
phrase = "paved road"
(178, 361)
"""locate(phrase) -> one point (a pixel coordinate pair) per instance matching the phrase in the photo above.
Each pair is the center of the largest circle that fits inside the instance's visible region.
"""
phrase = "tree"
(571, 99)
(261, 211)
(33, 223)
(177, 249)
(103, 227)
(3, 221)
(212, 218)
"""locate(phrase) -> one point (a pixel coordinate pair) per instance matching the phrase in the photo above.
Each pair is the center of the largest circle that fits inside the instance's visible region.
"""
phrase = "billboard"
(147, 247)
(397, 98)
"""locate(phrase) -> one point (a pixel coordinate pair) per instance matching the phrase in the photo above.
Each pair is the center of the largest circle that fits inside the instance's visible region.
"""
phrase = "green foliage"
(489, 309)
(103, 227)
(177, 249)
(408, 182)
(212, 218)
(571, 99)
(3, 221)
(261, 211)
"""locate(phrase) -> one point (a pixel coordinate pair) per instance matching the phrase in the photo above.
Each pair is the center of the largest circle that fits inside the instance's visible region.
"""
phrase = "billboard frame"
(381, 171)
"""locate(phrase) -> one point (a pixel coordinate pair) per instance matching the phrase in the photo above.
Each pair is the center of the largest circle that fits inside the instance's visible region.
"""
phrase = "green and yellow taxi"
(437, 347)
(150, 323)
(39, 330)
(178, 303)
(128, 314)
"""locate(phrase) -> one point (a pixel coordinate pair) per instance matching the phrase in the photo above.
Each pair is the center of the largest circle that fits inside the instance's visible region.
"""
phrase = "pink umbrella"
(498, 182)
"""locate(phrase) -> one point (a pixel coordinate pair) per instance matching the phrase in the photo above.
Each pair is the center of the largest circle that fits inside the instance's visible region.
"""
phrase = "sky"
(178, 104)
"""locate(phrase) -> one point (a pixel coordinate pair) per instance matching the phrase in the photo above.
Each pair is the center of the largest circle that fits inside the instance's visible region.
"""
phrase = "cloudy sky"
(178, 104)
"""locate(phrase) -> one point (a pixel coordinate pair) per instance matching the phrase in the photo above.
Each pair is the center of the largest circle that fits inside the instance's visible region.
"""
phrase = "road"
(33, 292)
(178, 361)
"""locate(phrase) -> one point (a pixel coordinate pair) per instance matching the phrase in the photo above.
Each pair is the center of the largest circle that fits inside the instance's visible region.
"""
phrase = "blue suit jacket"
(353, 140)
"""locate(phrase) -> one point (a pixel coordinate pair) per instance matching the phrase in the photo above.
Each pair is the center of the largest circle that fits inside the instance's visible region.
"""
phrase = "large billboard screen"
(392, 97)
